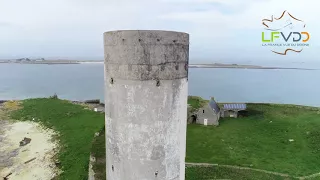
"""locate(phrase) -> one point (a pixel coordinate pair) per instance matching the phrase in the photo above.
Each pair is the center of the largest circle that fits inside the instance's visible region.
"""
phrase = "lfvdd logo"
(294, 36)
(285, 33)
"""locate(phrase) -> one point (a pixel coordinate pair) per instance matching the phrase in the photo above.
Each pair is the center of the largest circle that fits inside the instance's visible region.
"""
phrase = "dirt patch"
(33, 160)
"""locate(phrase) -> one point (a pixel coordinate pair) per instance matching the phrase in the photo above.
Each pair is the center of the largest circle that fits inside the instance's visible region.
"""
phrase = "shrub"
(55, 96)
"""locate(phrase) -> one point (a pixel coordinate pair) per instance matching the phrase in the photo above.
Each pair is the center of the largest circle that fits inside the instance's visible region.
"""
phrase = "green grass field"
(192, 173)
(99, 152)
(210, 173)
(76, 127)
(259, 140)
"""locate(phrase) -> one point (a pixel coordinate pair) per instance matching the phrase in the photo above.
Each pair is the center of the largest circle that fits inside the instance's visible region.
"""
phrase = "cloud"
(70, 27)
(6, 24)
(250, 16)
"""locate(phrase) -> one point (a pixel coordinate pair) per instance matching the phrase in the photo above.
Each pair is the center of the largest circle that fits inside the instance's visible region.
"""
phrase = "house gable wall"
(209, 114)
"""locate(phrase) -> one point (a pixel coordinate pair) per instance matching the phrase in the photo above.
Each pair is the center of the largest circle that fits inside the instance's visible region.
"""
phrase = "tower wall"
(146, 90)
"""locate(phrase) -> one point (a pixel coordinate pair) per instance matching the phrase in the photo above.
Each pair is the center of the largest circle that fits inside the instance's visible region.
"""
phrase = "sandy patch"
(91, 62)
(32, 161)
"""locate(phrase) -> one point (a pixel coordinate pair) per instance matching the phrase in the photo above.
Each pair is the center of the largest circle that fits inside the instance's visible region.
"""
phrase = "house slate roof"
(214, 106)
(235, 106)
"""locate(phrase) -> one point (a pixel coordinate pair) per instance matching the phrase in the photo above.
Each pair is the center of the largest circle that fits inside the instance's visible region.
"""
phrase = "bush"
(55, 96)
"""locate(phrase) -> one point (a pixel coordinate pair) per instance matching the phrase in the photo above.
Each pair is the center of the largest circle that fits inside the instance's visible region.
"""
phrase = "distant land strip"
(215, 65)
(236, 66)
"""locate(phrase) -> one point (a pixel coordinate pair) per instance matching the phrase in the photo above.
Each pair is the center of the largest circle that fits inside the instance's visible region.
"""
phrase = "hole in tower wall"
(177, 66)
(111, 81)
(156, 174)
(112, 168)
(158, 83)
(162, 67)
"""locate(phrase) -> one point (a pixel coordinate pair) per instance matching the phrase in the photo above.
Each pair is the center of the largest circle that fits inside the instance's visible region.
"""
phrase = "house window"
(202, 111)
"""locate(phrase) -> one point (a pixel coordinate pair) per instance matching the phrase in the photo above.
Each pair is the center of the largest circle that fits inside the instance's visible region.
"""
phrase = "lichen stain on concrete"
(157, 153)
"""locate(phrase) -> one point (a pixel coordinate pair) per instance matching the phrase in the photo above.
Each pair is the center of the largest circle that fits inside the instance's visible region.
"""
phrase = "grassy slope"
(210, 173)
(99, 152)
(196, 102)
(76, 127)
(252, 140)
(192, 173)
(261, 140)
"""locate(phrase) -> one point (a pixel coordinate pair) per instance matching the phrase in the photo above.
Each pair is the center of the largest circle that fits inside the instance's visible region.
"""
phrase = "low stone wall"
(92, 160)
(91, 172)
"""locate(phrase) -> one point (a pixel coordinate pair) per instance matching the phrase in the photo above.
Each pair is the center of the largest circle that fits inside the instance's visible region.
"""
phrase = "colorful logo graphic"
(284, 34)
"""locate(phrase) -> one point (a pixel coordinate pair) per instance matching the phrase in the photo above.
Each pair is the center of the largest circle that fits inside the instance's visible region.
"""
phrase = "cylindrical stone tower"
(146, 90)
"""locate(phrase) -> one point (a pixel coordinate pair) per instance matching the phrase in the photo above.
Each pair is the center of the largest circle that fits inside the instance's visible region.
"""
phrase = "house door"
(205, 122)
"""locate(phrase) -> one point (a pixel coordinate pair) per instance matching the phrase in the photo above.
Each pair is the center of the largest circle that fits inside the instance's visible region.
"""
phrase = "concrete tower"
(146, 89)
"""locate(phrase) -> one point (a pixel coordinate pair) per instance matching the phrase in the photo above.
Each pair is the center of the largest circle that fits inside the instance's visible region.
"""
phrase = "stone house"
(209, 114)
(232, 109)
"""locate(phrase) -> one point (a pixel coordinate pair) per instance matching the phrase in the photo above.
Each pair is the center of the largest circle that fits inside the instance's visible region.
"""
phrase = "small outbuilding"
(209, 114)
(232, 109)
(191, 116)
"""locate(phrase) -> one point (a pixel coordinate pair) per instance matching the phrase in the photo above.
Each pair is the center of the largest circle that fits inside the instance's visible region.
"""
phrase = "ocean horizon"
(85, 81)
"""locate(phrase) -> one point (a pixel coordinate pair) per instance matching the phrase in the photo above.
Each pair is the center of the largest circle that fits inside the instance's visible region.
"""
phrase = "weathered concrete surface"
(146, 55)
(146, 104)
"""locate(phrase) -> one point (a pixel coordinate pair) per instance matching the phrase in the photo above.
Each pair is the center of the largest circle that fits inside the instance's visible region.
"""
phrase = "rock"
(25, 141)
(291, 140)
(6, 177)
(29, 160)
(58, 164)
(93, 101)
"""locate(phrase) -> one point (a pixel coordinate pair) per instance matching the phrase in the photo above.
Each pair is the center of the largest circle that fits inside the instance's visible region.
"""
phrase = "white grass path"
(33, 161)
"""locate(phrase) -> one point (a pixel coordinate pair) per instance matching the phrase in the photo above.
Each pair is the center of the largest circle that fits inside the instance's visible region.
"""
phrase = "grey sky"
(219, 29)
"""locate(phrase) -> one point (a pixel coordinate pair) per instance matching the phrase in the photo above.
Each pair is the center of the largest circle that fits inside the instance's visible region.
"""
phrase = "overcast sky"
(220, 30)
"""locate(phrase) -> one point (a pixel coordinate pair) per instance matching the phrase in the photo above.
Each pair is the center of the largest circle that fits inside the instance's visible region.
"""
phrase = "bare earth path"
(30, 161)
(5, 156)
(252, 169)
